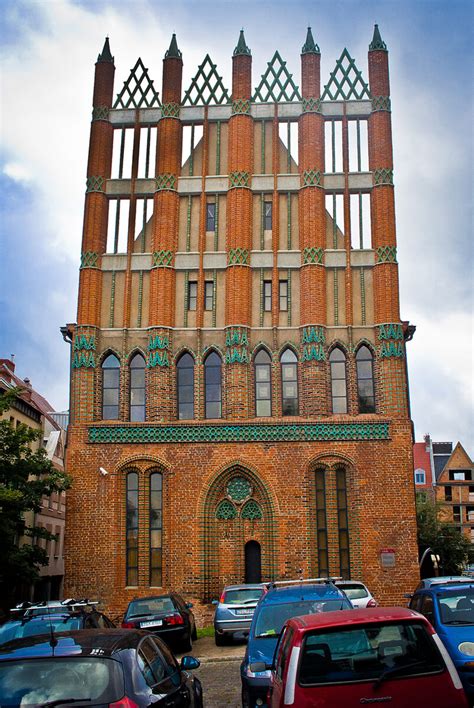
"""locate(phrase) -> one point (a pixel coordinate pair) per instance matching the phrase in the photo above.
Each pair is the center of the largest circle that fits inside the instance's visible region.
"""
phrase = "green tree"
(26, 475)
(445, 540)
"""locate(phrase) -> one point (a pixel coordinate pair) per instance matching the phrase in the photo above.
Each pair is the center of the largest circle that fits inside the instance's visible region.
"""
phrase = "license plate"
(154, 623)
(244, 612)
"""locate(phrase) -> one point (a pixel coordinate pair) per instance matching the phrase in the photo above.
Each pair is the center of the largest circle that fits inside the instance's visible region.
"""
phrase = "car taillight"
(174, 619)
(372, 603)
(128, 625)
(222, 597)
(124, 702)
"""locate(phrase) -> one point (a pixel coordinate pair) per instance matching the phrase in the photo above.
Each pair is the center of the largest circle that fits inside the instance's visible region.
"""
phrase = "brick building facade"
(239, 404)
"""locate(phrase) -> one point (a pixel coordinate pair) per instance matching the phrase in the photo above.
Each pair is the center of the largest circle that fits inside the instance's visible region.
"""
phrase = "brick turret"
(239, 232)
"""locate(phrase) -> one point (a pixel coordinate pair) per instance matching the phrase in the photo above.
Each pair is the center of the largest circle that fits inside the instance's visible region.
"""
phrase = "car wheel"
(245, 698)
(194, 634)
(220, 639)
(187, 644)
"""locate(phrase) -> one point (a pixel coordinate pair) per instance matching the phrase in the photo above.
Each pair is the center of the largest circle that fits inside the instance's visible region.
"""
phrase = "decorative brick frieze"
(391, 336)
(158, 351)
(236, 342)
(84, 351)
(238, 433)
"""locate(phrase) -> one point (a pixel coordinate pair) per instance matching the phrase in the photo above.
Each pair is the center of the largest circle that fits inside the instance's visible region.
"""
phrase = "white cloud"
(17, 172)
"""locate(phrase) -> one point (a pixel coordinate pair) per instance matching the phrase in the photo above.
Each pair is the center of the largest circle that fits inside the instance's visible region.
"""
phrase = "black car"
(168, 616)
(59, 620)
(115, 668)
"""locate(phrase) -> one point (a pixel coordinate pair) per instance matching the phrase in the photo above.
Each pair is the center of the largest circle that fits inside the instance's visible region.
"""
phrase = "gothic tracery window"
(110, 388)
(365, 380)
(137, 389)
(185, 386)
(337, 362)
(289, 382)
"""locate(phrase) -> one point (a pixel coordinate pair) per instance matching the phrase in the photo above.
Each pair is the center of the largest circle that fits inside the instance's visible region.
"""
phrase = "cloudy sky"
(48, 50)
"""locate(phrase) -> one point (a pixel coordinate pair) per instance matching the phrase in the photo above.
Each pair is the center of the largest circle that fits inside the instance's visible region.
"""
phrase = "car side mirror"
(189, 605)
(190, 662)
(257, 666)
(215, 602)
(408, 595)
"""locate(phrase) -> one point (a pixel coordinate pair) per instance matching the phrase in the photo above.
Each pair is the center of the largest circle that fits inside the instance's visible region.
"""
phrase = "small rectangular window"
(457, 514)
(211, 216)
(267, 295)
(267, 216)
(208, 295)
(192, 295)
(283, 295)
(448, 493)
(456, 475)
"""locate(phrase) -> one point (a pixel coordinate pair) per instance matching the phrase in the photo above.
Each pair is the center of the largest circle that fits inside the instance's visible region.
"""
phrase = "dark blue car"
(279, 603)
(450, 609)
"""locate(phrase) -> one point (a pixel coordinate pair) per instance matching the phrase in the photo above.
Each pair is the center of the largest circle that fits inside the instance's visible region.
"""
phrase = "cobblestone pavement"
(220, 683)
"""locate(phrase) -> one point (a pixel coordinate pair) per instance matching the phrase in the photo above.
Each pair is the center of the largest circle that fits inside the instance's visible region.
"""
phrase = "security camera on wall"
(103, 471)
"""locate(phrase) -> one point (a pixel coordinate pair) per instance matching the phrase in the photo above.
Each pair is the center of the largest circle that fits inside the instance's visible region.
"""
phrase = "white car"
(357, 593)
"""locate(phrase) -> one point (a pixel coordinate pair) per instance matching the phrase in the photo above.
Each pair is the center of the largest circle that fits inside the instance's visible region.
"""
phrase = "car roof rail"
(69, 603)
(299, 581)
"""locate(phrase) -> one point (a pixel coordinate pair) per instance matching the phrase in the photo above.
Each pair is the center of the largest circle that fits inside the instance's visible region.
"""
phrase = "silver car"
(357, 593)
(235, 609)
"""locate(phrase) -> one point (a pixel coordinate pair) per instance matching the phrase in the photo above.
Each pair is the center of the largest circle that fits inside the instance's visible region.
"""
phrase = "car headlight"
(467, 648)
(258, 674)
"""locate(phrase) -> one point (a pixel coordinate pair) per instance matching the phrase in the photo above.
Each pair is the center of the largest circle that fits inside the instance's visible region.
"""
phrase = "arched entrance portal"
(253, 562)
(238, 531)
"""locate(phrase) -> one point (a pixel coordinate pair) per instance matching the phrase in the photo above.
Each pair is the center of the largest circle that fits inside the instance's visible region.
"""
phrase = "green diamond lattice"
(138, 90)
(95, 184)
(386, 254)
(296, 432)
(170, 110)
(162, 259)
(251, 511)
(226, 510)
(242, 105)
(277, 83)
(312, 178)
(239, 179)
(165, 182)
(100, 113)
(383, 176)
(239, 256)
(345, 81)
(381, 103)
(313, 254)
(239, 489)
(89, 259)
(312, 105)
(207, 86)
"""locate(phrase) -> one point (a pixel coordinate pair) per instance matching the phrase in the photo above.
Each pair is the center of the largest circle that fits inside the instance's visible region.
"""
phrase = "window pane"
(111, 362)
(213, 375)
(132, 576)
(263, 390)
(366, 388)
(263, 408)
(111, 397)
(289, 371)
(186, 394)
(364, 369)
(110, 413)
(289, 390)
(339, 405)
(339, 387)
(137, 378)
(290, 406)
(288, 356)
(262, 372)
(337, 355)
(185, 377)
(155, 577)
(213, 393)
(338, 371)
(155, 539)
(137, 396)
(137, 414)
(156, 481)
(213, 410)
(111, 378)
(262, 357)
(186, 411)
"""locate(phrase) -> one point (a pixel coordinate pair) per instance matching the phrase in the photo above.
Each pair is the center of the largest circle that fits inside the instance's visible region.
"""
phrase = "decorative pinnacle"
(377, 43)
(310, 47)
(241, 48)
(173, 52)
(106, 54)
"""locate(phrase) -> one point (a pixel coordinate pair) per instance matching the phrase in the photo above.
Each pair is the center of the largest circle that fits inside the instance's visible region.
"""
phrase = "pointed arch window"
(110, 388)
(132, 528)
(343, 523)
(137, 389)
(213, 385)
(185, 386)
(321, 523)
(289, 382)
(156, 529)
(263, 384)
(337, 361)
(365, 380)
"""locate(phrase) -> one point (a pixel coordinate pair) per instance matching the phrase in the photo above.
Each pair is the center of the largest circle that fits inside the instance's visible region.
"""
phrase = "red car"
(373, 656)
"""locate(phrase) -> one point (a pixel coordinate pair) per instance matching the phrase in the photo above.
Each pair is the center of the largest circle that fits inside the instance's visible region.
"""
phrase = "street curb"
(218, 659)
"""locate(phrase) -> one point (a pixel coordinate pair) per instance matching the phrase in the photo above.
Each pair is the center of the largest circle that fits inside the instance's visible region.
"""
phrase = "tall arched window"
(185, 384)
(156, 528)
(365, 380)
(321, 523)
(337, 361)
(213, 385)
(289, 382)
(110, 388)
(343, 524)
(137, 388)
(263, 384)
(132, 528)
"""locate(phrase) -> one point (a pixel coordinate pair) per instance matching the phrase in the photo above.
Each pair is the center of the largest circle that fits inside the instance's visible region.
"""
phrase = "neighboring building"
(239, 402)
(424, 468)
(455, 491)
(33, 410)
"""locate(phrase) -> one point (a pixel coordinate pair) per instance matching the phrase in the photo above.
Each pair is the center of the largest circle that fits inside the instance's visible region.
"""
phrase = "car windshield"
(457, 607)
(37, 625)
(271, 618)
(354, 592)
(41, 681)
(372, 652)
(243, 596)
(151, 606)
